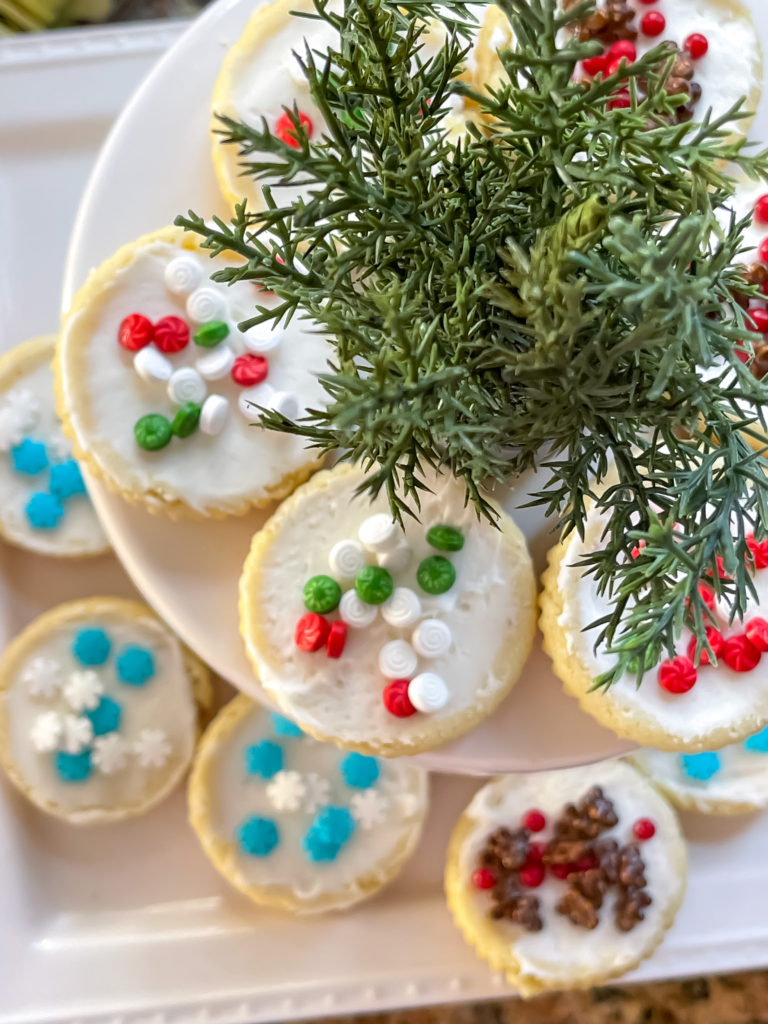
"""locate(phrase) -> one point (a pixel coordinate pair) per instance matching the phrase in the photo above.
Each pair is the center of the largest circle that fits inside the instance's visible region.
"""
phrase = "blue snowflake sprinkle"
(105, 717)
(264, 759)
(331, 829)
(258, 836)
(758, 742)
(91, 646)
(359, 771)
(135, 665)
(73, 767)
(66, 480)
(29, 457)
(284, 726)
(44, 511)
(700, 766)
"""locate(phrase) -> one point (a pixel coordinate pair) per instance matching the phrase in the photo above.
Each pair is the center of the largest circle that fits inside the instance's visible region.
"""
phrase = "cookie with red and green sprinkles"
(160, 390)
(297, 824)
(386, 639)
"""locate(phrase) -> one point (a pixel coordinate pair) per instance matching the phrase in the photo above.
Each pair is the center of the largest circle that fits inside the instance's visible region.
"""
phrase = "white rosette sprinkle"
(151, 365)
(83, 690)
(42, 677)
(285, 403)
(205, 304)
(152, 748)
(346, 559)
(182, 275)
(397, 660)
(248, 401)
(214, 414)
(46, 732)
(186, 385)
(317, 792)
(428, 692)
(402, 608)
(369, 808)
(77, 733)
(379, 533)
(110, 754)
(216, 364)
(262, 338)
(432, 638)
(355, 612)
(286, 791)
(397, 559)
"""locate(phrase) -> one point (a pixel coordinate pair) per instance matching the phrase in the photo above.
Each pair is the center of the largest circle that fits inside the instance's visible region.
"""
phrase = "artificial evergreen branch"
(546, 292)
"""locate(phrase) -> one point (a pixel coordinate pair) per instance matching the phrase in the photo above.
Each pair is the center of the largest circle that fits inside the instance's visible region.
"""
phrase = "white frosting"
(721, 698)
(206, 470)
(561, 950)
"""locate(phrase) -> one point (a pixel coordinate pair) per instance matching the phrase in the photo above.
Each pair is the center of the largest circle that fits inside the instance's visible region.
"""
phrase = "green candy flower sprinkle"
(322, 594)
(186, 420)
(445, 538)
(210, 334)
(152, 432)
(373, 584)
(436, 574)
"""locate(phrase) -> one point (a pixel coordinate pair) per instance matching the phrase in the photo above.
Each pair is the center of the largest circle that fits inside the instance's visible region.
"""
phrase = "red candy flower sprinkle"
(653, 23)
(337, 638)
(740, 654)
(644, 829)
(757, 320)
(532, 875)
(285, 129)
(135, 332)
(595, 65)
(759, 550)
(708, 595)
(396, 699)
(534, 820)
(249, 369)
(483, 878)
(677, 675)
(311, 632)
(716, 641)
(756, 631)
(697, 45)
(761, 210)
(171, 334)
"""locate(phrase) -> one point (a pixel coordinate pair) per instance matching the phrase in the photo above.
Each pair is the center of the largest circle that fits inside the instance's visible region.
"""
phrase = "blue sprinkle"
(29, 457)
(264, 759)
(105, 717)
(66, 480)
(91, 646)
(359, 771)
(330, 830)
(44, 511)
(135, 665)
(258, 836)
(758, 742)
(700, 766)
(73, 767)
(284, 726)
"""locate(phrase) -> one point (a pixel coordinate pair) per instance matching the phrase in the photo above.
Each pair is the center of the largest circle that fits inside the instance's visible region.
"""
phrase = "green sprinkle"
(186, 419)
(445, 538)
(373, 584)
(436, 574)
(152, 431)
(322, 594)
(210, 334)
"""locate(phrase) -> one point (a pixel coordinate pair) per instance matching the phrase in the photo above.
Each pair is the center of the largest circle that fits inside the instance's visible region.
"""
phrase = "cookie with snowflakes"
(297, 824)
(384, 639)
(159, 389)
(685, 703)
(732, 780)
(566, 879)
(99, 706)
(44, 505)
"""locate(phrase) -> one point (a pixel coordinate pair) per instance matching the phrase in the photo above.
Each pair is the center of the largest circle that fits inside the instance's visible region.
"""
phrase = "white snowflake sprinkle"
(24, 403)
(369, 808)
(110, 753)
(317, 791)
(152, 748)
(42, 677)
(78, 733)
(46, 731)
(286, 791)
(83, 690)
(11, 429)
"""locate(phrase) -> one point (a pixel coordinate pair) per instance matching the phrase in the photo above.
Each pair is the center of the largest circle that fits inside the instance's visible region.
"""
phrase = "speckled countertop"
(731, 999)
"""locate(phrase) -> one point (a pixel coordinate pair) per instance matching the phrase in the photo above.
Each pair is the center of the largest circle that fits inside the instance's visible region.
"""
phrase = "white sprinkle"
(356, 612)
(262, 338)
(402, 608)
(152, 748)
(46, 731)
(397, 660)
(182, 275)
(151, 364)
(346, 559)
(205, 304)
(498, 38)
(431, 638)
(11, 429)
(83, 690)
(25, 404)
(286, 403)
(186, 385)
(286, 791)
(317, 792)
(369, 808)
(214, 414)
(78, 733)
(42, 677)
(110, 754)
(249, 400)
(216, 364)
(397, 559)
(379, 533)
(428, 692)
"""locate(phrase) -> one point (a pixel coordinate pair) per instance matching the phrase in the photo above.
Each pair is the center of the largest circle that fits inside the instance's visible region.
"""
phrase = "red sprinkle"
(534, 820)
(620, 101)
(585, 863)
(337, 637)
(635, 552)
(677, 675)
(740, 654)
(756, 631)
(616, 64)
(595, 65)
(757, 320)
(249, 369)
(648, 2)
(536, 851)
(653, 23)
(761, 210)
(396, 699)
(311, 631)
(697, 45)
(532, 875)
(483, 878)
(762, 251)
(285, 129)
(135, 332)
(716, 641)
(759, 551)
(560, 870)
(624, 48)
(708, 595)
(644, 828)
(171, 334)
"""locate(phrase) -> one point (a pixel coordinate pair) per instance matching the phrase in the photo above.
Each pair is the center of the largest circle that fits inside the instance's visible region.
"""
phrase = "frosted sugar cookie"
(680, 705)
(385, 641)
(732, 780)
(159, 389)
(566, 879)
(297, 824)
(98, 712)
(43, 502)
